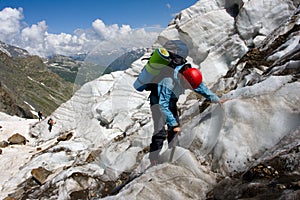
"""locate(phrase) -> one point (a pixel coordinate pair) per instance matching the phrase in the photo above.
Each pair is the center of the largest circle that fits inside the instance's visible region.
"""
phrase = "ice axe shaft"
(174, 144)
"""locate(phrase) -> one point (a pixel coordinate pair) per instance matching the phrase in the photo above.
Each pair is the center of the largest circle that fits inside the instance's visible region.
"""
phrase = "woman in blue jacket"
(163, 99)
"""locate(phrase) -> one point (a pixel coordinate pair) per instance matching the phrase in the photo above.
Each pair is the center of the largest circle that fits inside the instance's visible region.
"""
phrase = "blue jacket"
(169, 89)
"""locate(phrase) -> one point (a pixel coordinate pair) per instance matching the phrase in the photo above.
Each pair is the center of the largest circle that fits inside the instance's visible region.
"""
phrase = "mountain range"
(27, 85)
(40, 89)
(78, 70)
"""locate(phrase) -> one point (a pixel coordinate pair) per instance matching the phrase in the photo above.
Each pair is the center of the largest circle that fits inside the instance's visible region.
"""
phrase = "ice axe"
(174, 144)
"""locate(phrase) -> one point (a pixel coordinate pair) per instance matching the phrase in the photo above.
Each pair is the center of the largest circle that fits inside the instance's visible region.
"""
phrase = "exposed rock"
(275, 177)
(40, 174)
(92, 156)
(3, 144)
(66, 136)
(9, 198)
(9, 104)
(17, 139)
(0, 151)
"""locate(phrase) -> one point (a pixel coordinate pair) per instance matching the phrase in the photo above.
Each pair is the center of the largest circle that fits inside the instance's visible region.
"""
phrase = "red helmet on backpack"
(193, 76)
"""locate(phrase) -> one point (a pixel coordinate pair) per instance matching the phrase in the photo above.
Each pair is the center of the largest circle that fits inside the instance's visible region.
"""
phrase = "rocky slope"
(27, 85)
(65, 67)
(248, 52)
(275, 173)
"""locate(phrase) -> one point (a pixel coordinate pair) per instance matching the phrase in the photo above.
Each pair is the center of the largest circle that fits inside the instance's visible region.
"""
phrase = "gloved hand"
(221, 101)
(176, 129)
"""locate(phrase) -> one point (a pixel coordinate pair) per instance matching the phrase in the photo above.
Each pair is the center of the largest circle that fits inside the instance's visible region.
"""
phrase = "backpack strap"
(176, 60)
(145, 58)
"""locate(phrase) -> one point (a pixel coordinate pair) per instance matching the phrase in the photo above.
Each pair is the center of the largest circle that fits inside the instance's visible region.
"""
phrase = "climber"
(163, 99)
(50, 123)
(40, 115)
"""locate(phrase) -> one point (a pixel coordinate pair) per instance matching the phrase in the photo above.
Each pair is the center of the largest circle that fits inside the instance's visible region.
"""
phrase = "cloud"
(100, 37)
(168, 6)
(10, 22)
(35, 33)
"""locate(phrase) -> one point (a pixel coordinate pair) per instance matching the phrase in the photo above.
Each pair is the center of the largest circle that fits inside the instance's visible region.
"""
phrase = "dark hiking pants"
(159, 122)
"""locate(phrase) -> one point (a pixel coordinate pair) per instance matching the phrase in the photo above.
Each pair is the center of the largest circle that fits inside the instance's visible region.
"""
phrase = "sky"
(45, 27)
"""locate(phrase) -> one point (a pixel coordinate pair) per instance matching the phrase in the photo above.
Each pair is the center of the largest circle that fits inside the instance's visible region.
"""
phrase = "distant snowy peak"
(13, 51)
(105, 57)
(124, 61)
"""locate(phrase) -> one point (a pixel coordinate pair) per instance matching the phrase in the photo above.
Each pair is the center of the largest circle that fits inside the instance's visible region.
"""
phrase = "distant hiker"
(165, 89)
(50, 123)
(40, 114)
